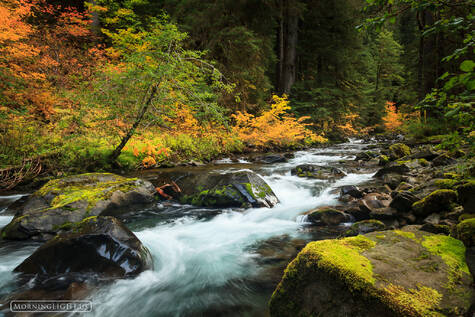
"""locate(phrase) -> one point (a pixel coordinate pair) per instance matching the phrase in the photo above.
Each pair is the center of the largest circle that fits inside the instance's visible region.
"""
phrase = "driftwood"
(170, 188)
(28, 169)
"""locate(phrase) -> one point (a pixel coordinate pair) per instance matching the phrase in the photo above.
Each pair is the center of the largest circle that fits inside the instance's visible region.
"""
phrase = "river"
(210, 262)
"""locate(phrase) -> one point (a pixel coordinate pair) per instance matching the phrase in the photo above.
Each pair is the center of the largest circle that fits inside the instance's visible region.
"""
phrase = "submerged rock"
(67, 200)
(386, 273)
(271, 159)
(317, 171)
(96, 245)
(240, 189)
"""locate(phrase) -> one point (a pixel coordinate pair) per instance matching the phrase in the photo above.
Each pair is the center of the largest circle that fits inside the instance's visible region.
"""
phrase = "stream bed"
(213, 262)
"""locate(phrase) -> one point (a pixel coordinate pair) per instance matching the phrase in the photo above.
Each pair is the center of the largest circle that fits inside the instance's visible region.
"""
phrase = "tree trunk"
(139, 118)
(280, 49)
(420, 65)
(289, 50)
(96, 24)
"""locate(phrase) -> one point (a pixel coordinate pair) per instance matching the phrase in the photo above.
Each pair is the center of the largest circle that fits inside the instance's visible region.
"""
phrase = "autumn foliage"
(393, 120)
(274, 127)
(41, 47)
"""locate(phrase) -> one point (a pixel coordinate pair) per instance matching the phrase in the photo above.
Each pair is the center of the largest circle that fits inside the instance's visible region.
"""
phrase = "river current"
(212, 262)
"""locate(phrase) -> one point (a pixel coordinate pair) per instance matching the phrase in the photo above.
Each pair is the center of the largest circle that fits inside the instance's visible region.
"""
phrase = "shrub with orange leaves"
(37, 54)
(393, 120)
(274, 127)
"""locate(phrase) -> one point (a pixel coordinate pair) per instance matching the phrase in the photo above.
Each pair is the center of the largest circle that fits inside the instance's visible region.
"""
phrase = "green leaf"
(467, 66)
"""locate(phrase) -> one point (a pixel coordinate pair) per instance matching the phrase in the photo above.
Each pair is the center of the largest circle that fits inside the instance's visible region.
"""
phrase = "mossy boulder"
(365, 226)
(240, 189)
(71, 199)
(441, 200)
(385, 273)
(100, 246)
(465, 231)
(317, 171)
(398, 150)
(466, 192)
(326, 216)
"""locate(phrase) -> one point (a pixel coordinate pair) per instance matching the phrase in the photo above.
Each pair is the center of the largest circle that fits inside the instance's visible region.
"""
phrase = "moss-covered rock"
(240, 189)
(317, 171)
(446, 183)
(398, 150)
(440, 200)
(326, 216)
(386, 273)
(71, 199)
(365, 226)
(465, 231)
(99, 245)
(383, 160)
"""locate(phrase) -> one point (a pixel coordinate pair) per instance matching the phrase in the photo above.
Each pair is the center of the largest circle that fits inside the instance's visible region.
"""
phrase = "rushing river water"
(210, 262)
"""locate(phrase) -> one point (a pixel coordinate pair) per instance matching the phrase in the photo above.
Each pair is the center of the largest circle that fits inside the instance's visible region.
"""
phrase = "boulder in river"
(317, 171)
(386, 273)
(97, 245)
(351, 190)
(240, 189)
(67, 200)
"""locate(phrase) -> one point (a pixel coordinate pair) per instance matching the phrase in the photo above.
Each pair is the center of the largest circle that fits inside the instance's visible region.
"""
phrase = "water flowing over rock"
(386, 273)
(96, 245)
(62, 202)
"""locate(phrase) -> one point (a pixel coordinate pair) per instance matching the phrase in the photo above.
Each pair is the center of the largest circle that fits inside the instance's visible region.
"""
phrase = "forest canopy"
(124, 84)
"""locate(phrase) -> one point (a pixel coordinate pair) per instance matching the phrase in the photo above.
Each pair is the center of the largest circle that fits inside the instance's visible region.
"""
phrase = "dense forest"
(122, 84)
(237, 158)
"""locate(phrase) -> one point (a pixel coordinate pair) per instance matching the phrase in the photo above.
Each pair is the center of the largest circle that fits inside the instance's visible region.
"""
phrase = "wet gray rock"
(101, 246)
(240, 189)
(351, 190)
